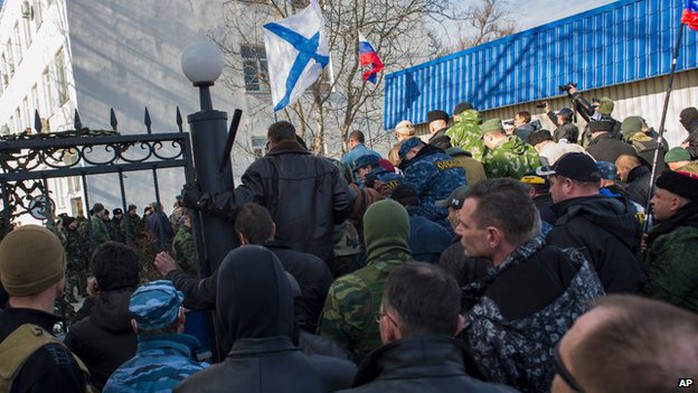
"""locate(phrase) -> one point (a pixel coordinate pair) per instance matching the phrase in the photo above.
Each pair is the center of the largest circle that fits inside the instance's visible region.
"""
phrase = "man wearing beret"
(32, 271)
(507, 156)
(165, 354)
(438, 125)
(673, 242)
(433, 174)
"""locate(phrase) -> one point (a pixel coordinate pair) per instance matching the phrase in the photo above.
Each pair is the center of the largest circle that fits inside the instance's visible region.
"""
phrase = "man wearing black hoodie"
(105, 339)
(255, 309)
(604, 229)
(689, 120)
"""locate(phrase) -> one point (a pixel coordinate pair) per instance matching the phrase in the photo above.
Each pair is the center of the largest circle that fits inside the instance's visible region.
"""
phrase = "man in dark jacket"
(604, 229)
(689, 121)
(105, 339)
(263, 358)
(438, 125)
(427, 238)
(636, 176)
(603, 145)
(254, 225)
(32, 270)
(418, 319)
(531, 296)
(305, 194)
(563, 123)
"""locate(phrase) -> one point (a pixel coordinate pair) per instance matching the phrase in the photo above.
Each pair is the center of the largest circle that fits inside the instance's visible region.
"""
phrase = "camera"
(542, 104)
(567, 87)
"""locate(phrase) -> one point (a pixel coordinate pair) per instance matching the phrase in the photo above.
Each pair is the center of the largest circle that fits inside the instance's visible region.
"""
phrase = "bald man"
(627, 344)
(637, 177)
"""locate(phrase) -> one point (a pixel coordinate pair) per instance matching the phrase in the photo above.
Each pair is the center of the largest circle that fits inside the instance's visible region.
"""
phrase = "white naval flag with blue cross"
(296, 53)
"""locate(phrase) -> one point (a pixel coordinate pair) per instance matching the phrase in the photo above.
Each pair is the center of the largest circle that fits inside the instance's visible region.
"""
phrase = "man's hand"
(547, 107)
(573, 90)
(164, 263)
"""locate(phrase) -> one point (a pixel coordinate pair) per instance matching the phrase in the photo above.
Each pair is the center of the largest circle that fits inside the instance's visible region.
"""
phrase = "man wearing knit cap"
(32, 271)
(166, 356)
(599, 109)
(673, 242)
(645, 140)
(508, 155)
(438, 125)
(689, 120)
(565, 131)
(678, 158)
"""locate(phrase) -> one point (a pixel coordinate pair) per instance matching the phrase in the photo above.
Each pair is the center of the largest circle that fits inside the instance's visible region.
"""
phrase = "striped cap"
(155, 305)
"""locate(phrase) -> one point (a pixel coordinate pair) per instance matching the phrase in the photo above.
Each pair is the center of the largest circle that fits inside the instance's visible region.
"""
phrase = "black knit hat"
(681, 183)
(539, 136)
(437, 115)
(462, 107)
(115, 266)
(600, 125)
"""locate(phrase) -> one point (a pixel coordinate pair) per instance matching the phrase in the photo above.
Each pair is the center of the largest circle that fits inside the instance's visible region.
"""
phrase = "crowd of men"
(483, 257)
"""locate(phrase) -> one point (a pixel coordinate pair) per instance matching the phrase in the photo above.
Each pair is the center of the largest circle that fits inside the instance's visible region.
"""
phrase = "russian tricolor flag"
(690, 14)
(369, 60)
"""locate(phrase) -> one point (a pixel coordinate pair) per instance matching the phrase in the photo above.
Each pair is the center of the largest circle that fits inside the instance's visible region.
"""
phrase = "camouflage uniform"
(162, 361)
(434, 174)
(347, 249)
(183, 250)
(466, 134)
(78, 261)
(353, 300)
(100, 232)
(511, 157)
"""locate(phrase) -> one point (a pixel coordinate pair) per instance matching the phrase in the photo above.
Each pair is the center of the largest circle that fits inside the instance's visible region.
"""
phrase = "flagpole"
(660, 139)
(368, 125)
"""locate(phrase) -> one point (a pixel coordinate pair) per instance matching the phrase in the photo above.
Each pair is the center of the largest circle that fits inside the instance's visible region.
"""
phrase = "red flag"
(690, 14)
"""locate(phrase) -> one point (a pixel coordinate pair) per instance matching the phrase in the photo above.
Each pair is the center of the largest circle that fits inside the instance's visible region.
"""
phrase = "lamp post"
(202, 63)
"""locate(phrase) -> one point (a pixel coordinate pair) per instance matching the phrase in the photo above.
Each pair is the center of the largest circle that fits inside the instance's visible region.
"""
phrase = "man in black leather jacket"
(255, 310)
(305, 194)
(418, 318)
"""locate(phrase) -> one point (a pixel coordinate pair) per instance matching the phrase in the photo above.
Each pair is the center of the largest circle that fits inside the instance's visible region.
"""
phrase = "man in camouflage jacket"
(465, 131)
(507, 156)
(353, 300)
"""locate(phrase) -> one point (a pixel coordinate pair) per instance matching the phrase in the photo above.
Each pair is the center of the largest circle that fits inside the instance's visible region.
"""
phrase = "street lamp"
(202, 63)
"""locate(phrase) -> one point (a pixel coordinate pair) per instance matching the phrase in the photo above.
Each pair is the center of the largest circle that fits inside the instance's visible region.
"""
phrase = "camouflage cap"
(492, 125)
(409, 145)
(366, 160)
(155, 305)
(607, 170)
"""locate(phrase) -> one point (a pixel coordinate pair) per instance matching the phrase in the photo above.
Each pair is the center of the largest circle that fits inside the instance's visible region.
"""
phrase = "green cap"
(677, 154)
(631, 125)
(492, 125)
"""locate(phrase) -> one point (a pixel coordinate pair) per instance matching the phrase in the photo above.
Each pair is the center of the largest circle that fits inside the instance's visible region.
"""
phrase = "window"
(48, 97)
(18, 43)
(18, 120)
(25, 113)
(254, 63)
(5, 70)
(27, 16)
(35, 100)
(61, 78)
(38, 18)
(10, 58)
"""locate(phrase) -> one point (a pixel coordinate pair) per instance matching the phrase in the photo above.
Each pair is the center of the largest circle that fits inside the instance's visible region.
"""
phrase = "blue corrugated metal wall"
(618, 43)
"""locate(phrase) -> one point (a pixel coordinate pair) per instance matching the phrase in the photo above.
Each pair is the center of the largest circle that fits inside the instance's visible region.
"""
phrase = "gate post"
(202, 65)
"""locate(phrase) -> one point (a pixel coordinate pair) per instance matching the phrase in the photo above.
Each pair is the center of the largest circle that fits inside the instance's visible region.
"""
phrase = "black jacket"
(566, 130)
(49, 369)
(105, 340)
(440, 139)
(255, 309)
(314, 278)
(464, 269)
(607, 148)
(305, 195)
(639, 185)
(311, 273)
(421, 364)
(608, 234)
